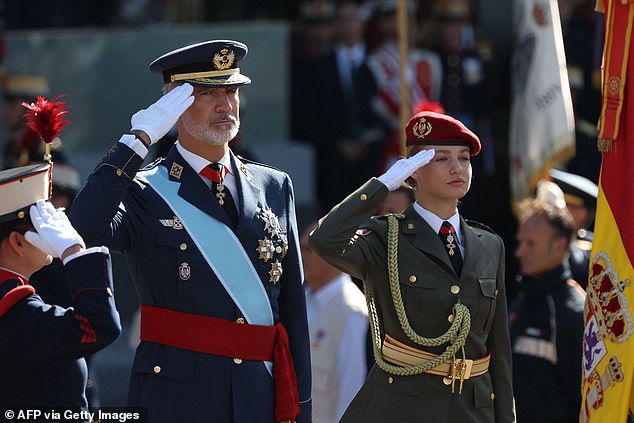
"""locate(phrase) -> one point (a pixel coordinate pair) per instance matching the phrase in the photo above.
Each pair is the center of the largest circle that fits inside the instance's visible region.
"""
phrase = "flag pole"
(403, 58)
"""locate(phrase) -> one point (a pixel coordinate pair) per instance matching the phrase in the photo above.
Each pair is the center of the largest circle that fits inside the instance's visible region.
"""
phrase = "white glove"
(160, 117)
(404, 168)
(54, 232)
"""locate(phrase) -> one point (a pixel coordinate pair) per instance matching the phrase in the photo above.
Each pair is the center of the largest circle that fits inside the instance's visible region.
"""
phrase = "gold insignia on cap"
(422, 128)
(176, 170)
(224, 59)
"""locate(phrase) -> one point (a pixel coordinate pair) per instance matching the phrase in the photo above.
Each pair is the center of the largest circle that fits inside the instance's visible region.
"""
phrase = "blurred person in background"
(24, 145)
(338, 324)
(344, 159)
(546, 318)
(379, 86)
(580, 195)
(466, 92)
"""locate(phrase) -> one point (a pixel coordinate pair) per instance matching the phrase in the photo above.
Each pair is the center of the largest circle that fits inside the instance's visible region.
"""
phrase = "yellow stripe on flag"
(608, 347)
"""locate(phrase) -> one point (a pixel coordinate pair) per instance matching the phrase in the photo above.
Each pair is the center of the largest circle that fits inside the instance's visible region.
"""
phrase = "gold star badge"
(276, 272)
(266, 249)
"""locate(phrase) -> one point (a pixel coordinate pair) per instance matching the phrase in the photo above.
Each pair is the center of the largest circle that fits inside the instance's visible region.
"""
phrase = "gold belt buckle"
(468, 365)
(459, 369)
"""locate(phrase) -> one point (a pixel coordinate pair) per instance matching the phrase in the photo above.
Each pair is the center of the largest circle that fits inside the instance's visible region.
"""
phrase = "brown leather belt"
(398, 353)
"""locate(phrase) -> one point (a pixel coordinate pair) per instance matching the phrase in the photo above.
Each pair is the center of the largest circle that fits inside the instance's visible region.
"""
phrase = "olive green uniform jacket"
(348, 239)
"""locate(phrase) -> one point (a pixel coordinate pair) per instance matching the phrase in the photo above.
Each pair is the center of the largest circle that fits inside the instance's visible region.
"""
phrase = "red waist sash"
(226, 338)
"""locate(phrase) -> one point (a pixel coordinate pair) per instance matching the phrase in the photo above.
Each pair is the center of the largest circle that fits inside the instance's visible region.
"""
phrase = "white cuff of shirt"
(135, 144)
(91, 250)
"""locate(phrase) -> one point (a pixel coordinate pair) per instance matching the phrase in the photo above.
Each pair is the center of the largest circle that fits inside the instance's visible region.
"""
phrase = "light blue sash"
(220, 248)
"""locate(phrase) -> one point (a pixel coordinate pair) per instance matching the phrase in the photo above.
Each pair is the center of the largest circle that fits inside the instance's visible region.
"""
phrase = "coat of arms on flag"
(608, 345)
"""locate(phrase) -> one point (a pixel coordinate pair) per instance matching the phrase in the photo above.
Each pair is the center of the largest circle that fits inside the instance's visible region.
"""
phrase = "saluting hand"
(404, 168)
(161, 116)
(54, 233)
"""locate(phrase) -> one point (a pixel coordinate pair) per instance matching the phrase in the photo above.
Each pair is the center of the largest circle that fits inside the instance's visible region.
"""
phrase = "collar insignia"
(176, 170)
(244, 170)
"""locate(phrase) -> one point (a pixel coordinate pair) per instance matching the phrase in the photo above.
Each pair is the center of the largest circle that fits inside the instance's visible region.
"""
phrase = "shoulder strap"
(14, 296)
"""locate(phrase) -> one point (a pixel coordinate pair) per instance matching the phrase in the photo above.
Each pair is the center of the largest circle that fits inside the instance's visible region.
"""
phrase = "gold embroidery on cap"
(224, 59)
(422, 128)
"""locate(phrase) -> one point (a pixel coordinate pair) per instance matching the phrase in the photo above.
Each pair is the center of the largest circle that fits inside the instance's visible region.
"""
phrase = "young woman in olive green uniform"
(434, 284)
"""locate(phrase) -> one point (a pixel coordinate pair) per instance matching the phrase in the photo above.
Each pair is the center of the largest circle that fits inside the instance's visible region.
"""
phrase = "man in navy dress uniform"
(211, 241)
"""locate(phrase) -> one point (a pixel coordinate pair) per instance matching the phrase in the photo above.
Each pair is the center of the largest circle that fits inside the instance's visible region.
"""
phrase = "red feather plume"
(46, 117)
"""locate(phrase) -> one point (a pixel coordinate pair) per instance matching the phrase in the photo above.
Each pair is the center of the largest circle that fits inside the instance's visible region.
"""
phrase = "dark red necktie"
(216, 172)
(448, 235)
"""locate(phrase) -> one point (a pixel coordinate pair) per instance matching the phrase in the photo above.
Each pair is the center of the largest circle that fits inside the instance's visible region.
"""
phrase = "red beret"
(431, 128)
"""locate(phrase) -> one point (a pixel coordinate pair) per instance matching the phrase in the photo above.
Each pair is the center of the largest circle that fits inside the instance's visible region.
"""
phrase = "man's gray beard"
(216, 135)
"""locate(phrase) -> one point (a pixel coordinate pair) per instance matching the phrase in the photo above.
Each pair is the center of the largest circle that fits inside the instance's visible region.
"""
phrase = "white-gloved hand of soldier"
(404, 168)
(160, 117)
(54, 233)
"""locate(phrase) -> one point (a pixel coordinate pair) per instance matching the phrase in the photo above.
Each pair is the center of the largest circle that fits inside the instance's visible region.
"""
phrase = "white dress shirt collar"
(199, 163)
(436, 222)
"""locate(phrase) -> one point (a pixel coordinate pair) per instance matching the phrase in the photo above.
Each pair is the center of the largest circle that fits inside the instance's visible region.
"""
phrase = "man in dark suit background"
(212, 245)
(344, 159)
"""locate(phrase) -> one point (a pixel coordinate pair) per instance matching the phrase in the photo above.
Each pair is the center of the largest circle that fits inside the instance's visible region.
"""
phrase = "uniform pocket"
(424, 311)
(482, 395)
(488, 288)
(166, 362)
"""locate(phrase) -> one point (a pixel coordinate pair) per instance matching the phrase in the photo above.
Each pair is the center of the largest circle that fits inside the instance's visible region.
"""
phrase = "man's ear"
(16, 241)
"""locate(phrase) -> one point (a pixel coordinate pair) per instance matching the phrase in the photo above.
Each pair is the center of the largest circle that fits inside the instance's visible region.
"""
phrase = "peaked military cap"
(207, 64)
(578, 191)
(20, 188)
(431, 128)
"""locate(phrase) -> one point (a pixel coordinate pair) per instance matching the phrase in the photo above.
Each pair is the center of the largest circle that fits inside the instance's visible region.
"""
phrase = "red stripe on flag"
(617, 171)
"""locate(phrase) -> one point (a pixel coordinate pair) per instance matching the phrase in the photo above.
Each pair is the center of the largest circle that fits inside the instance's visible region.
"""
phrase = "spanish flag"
(608, 345)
